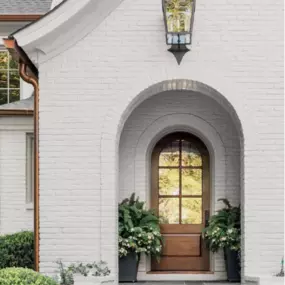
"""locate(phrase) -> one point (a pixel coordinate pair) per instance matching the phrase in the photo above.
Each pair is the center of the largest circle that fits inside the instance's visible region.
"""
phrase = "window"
(180, 171)
(30, 169)
(9, 78)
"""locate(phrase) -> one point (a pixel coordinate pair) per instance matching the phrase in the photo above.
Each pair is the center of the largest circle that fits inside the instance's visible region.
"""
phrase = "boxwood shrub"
(17, 250)
(23, 276)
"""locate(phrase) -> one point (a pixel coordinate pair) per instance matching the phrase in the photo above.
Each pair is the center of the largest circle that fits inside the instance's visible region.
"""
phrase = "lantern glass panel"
(178, 15)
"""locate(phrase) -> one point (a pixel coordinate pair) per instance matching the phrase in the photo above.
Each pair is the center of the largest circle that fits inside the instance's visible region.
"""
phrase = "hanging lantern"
(178, 19)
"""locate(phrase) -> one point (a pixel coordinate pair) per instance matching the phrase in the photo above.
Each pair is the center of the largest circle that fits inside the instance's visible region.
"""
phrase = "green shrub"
(17, 250)
(23, 276)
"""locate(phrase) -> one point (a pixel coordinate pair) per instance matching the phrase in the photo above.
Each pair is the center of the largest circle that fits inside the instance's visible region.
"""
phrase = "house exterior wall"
(180, 111)
(15, 214)
(237, 50)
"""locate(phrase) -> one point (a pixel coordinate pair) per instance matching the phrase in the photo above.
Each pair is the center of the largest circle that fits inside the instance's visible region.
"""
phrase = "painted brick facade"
(15, 214)
(88, 91)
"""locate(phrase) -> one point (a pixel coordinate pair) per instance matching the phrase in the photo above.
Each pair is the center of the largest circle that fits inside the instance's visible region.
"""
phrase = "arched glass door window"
(181, 196)
(181, 159)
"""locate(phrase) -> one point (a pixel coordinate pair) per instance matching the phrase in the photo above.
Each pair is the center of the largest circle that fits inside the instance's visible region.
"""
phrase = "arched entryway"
(127, 145)
(180, 195)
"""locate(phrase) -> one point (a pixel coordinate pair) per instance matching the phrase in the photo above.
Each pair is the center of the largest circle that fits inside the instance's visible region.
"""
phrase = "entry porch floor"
(181, 283)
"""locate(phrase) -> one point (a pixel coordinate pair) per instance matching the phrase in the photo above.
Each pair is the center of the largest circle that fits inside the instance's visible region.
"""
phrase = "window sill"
(30, 206)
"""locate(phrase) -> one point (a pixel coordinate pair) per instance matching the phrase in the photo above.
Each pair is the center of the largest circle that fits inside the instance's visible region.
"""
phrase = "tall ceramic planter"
(93, 280)
(232, 265)
(128, 268)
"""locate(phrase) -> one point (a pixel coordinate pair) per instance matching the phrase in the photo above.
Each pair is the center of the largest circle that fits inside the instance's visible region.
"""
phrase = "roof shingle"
(25, 104)
(28, 7)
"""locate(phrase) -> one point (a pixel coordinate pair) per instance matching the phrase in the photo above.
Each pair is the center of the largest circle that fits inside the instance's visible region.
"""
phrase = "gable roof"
(24, 7)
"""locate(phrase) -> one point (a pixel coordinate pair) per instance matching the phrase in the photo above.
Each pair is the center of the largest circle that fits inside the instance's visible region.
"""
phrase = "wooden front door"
(181, 196)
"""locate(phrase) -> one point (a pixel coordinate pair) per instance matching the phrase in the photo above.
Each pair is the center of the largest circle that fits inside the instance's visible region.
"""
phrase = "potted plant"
(139, 233)
(223, 232)
(84, 274)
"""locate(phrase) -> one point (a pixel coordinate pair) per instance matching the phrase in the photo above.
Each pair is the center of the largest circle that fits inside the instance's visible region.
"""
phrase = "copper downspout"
(34, 81)
(24, 62)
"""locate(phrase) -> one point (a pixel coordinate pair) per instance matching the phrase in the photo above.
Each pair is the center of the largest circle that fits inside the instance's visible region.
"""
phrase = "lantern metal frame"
(179, 49)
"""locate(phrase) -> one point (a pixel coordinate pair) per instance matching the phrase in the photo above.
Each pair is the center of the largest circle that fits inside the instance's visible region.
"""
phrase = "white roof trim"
(69, 22)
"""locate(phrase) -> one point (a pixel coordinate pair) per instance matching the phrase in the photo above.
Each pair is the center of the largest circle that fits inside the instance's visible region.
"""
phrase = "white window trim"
(3, 48)
(29, 171)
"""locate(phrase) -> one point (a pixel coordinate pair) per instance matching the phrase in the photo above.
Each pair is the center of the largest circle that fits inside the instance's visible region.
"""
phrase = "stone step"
(180, 283)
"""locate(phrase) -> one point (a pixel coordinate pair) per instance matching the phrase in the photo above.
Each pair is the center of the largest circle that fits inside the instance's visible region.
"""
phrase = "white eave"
(62, 27)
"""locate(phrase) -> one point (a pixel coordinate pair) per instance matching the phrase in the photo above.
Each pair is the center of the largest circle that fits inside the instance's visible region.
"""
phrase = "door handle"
(207, 217)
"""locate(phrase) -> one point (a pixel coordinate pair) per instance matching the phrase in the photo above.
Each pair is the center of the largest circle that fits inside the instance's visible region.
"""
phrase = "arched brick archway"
(113, 125)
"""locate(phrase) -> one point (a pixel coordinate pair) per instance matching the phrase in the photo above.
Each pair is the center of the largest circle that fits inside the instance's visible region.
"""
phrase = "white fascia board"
(67, 24)
(54, 20)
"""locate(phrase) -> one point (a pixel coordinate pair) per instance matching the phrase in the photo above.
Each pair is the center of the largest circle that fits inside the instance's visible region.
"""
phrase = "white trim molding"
(52, 34)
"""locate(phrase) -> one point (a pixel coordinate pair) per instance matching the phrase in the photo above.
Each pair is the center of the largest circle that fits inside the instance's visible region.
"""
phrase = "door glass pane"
(190, 155)
(191, 211)
(191, 181)
(169, 210)
(169, 181)
(170, 155)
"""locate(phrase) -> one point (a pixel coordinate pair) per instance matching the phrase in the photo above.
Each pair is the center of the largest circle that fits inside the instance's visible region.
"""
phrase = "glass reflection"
(190, 155)
(170, 155)
(169, 181)
(169, 210)
(191, 181)
(191, 211)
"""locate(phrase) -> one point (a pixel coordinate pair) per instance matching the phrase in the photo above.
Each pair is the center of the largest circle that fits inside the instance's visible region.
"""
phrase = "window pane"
(170, 155)
(3, 60)
(3, 96)
(169, 181)
(14, 95)
(12, 63)
(3, 79)
(14, 79)
(191, 212)
(190, 155)
(169, 210)
(191, 181)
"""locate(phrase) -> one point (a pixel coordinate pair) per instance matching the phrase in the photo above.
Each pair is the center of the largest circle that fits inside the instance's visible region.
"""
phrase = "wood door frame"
(206, 181)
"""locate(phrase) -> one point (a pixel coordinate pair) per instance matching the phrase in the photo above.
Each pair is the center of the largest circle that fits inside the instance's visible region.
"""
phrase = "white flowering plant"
(91, 269)
(65, 275)
(141, 240)
(223, 230)
(139, 229)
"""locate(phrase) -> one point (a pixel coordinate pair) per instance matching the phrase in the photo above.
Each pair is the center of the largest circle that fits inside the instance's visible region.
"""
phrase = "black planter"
(232, 265)
(128, 268)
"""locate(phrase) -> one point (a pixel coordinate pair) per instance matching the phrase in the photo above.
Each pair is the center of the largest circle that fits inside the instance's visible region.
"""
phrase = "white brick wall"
(88, 91)
(14, 213)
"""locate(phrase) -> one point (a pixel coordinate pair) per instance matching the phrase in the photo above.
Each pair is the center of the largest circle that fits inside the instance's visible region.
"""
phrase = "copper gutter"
(19, 17)
(14, 112)
(29, 74)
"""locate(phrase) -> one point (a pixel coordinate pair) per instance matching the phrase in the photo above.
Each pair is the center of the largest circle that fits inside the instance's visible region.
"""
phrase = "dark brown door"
(181, 196)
